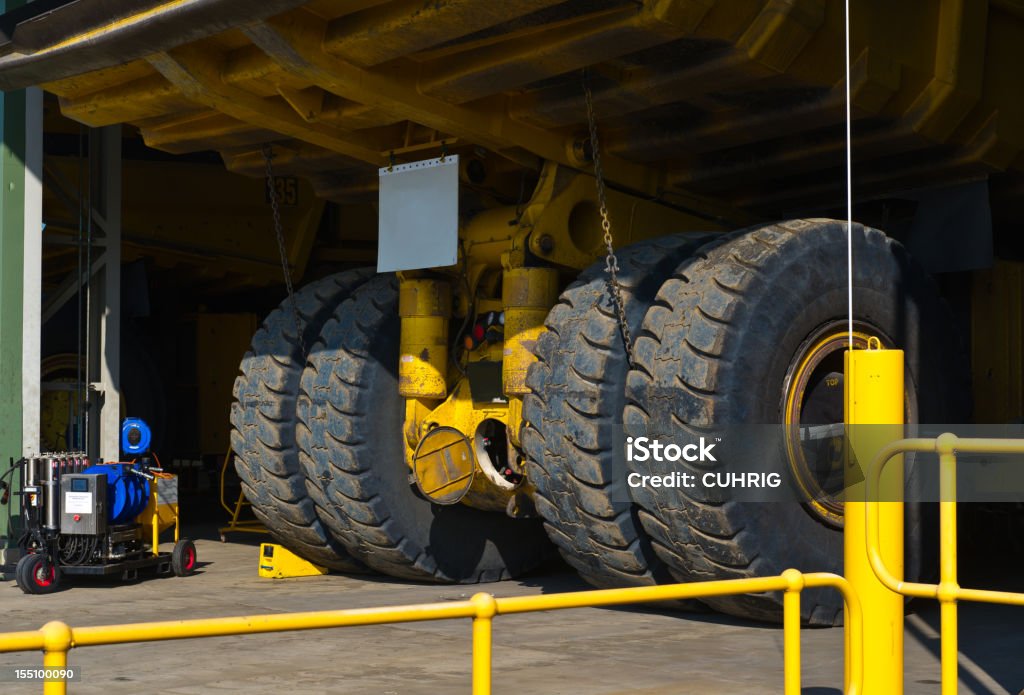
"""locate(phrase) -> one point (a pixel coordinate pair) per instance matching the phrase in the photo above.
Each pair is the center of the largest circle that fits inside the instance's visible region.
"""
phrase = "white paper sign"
(78, 503)
(418, 220)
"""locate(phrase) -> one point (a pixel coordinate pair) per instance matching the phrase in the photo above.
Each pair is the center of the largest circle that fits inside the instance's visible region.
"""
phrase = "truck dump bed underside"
(732, 108)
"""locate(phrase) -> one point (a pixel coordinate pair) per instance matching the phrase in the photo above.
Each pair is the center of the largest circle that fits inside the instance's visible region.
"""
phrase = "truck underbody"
(428, 423)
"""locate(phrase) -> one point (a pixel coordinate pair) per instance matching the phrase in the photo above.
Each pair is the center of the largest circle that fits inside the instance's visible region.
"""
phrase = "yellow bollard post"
(874, 401)
(791, 631)
(948, 585)
(486, 609)
(56, 643)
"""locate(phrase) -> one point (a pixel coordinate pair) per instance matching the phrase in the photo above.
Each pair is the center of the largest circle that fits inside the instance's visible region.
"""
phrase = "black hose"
(15, 465)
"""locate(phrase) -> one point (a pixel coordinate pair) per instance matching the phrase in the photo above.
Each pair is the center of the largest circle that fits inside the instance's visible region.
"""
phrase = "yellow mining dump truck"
(442, 420)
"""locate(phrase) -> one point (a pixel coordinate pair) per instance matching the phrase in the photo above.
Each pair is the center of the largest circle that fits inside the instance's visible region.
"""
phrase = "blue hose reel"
(135, 437)
(127, 493)
(127, 490)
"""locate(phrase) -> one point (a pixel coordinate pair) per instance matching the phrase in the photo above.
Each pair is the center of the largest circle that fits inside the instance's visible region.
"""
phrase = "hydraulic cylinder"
(424, 306)
(527, 295)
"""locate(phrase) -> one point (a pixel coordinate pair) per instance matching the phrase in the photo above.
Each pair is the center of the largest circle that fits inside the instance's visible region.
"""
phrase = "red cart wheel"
(35, 574)
(183, 558)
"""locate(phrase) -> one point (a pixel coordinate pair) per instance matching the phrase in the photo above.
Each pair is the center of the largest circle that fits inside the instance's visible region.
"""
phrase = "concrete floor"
(600, 651)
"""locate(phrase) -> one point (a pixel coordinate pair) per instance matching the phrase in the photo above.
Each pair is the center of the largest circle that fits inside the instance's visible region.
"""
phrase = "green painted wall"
(12, 255)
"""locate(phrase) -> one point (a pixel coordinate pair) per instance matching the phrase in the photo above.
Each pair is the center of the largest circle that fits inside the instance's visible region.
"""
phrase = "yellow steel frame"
(350, 80)
(235, 511)
(947, 591)
(56, 638)
(559, 224)
(159, 516)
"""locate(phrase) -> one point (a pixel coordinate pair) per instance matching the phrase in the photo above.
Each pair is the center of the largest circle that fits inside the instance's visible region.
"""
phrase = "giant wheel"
(576, 400)
(751, 330)
(263, 422)
(351, 429)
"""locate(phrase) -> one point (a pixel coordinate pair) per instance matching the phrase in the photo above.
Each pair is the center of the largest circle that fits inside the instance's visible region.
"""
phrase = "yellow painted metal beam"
(397, 29)
(307, 103)
(294, 41)
(725, 75)
(961, 165)
(873, 83)
(959, 68)
(637, 88)
(110, 27)
(196, 72)
(202, 130)
(130, 101)
(584, 40)
(289, 157)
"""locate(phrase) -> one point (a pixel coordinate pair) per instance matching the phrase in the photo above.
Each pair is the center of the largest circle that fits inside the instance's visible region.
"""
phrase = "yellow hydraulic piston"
(527, 295)
(874, 408)
(424, 306)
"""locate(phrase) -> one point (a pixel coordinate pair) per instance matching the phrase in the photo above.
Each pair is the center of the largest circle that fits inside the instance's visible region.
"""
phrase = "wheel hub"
(813, 415)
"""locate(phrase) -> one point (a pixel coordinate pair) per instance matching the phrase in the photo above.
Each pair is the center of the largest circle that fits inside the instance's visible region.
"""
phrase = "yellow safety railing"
(947, 591)
(55, 639)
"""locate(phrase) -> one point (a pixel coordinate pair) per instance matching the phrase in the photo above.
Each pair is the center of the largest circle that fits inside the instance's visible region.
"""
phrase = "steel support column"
(20, 252)
(32, 280)
(105, 292)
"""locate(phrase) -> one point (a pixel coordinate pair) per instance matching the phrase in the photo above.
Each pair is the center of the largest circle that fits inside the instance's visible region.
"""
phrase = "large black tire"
(576, 400)
(715, 350)
(263, 423)
(351, 427)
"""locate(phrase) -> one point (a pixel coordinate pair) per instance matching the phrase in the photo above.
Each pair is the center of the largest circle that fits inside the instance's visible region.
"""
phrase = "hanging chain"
(611, 263)
(268, 156)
